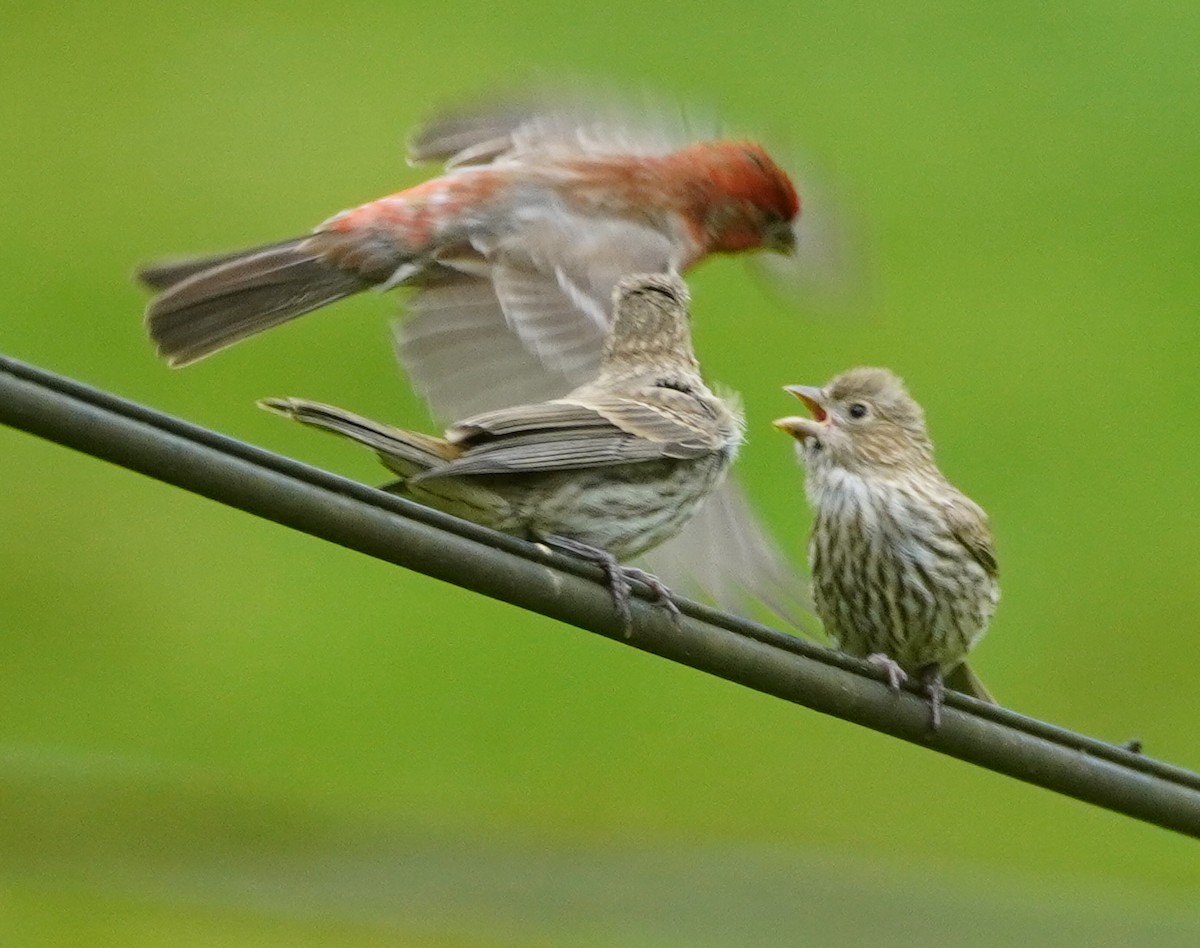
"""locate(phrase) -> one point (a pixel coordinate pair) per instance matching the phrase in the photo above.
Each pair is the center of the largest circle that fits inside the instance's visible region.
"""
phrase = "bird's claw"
(621, 592)
(930, 678)
(935, 690)
(620, 580)
(896, 676)
(662, 594)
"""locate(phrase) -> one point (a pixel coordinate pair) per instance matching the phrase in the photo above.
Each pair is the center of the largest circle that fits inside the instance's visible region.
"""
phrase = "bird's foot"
(662, 595)
(896, 676)
(619, 579)
(935, 691)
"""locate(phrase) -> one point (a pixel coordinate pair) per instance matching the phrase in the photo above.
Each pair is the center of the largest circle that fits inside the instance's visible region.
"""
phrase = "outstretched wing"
(726, 554)
(522, 317)
(537, 124)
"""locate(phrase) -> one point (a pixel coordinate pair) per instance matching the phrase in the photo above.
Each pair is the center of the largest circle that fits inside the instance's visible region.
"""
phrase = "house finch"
(612, 469)
(903, 568)
(512, 255)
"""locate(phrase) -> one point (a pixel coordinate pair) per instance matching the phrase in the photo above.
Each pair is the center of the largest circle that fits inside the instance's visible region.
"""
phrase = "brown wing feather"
(969, 525)
(578, 120)
(567, 435)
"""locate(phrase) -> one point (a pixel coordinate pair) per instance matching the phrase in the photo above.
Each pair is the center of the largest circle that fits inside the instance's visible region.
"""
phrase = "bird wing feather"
(536, 124)
(531, 328)
(725, 554)
(554, 280)
(969, 526)
(463, 357)
(568, 435)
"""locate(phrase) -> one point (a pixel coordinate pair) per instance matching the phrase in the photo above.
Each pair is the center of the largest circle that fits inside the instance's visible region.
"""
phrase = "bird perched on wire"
(904, 571)
(512, 255)
(607, 472)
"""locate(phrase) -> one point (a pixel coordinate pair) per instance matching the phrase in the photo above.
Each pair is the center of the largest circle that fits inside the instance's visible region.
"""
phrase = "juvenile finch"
(512, 255)
(607, 472)
(903, 567)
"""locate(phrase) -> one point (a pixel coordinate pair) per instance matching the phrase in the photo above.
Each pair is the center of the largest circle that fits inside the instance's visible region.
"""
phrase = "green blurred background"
(214, 731)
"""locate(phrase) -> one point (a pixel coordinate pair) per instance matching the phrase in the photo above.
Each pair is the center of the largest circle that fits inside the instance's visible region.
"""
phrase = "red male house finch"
(609, 471)
(512, 255)
(903, 568)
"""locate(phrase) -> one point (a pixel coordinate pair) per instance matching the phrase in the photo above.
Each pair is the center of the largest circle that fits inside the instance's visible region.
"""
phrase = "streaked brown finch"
(903, 566)
(606, 472)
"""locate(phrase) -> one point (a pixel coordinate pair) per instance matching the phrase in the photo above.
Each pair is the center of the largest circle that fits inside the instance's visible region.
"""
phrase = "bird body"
(547, 230)
(620, 464)
(892, 573)
(902, 561)
(511, 256)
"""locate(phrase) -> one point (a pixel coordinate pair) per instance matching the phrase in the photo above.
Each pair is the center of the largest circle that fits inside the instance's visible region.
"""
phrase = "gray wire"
(507, 568)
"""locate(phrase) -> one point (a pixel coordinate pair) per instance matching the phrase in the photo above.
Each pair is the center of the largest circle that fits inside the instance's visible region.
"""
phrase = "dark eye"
(858, 410)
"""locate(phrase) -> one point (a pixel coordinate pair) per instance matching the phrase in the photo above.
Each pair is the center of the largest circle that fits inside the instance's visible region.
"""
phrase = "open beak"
(804, 428)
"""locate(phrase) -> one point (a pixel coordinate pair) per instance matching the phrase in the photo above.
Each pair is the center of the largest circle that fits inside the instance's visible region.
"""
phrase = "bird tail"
(966, 681)
(206, 304)
(406, 453)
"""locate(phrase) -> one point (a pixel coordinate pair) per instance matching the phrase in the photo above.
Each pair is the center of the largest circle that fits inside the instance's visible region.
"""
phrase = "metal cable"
(396, 530)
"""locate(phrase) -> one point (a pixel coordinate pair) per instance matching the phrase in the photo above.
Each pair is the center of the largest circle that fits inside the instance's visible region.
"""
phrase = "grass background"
(217, 732)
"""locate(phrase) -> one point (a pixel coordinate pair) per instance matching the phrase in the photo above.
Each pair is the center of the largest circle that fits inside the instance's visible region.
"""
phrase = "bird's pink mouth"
(804, 428)
(818, 412)
(811, 398)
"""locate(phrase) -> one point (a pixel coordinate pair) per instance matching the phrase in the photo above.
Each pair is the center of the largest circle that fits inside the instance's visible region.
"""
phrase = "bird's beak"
(804, 428)
(780, 237)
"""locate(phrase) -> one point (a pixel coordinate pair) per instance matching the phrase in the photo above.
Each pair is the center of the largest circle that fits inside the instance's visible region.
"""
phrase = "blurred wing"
(563, 324)
(829, 265)
(727, 554)
(526, 321)
(538, 124)
(561, 312)
(555, 277)
(470, 135)
(463, 357)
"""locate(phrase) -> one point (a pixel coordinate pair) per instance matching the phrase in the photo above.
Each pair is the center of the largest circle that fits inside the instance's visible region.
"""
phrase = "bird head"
(863, 420)
(651, 331)
(749, 202)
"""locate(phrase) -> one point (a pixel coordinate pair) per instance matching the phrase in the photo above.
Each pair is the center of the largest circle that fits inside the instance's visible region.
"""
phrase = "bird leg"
(896, 676)
(935, 690)
(662, 595)
(619, 578)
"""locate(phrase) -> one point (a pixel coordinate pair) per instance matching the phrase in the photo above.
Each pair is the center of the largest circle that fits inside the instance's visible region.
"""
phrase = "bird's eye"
(858, 410)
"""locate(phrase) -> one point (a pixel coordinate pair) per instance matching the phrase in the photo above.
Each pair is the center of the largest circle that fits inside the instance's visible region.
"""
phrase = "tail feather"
(160, 275)
(405, 453)
(208, 304)
(966, 681)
